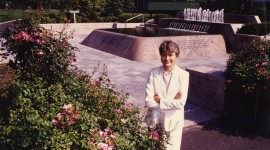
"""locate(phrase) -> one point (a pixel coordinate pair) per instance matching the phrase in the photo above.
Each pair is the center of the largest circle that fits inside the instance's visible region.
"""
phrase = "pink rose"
(113, 136)
(54, 121)
(108, 130)
(67, 108)
(100, 132)
(264, 63)
(118, 111)
(128, 106)
(72, 121)
(154, 135)
(59, 116)
(102, 145)
(92, 132)
(39, 41)
(75, 115)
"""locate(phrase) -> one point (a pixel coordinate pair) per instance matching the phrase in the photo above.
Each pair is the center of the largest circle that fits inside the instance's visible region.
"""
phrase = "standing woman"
(166, 95)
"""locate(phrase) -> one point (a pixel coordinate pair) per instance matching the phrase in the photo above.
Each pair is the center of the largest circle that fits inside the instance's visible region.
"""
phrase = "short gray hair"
(169, 46)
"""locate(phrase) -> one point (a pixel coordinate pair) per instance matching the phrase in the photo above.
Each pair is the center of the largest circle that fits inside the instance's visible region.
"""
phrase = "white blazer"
(171, 109)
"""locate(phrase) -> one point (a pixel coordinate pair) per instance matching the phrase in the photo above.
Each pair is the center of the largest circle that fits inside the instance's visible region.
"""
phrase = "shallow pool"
(154, 32)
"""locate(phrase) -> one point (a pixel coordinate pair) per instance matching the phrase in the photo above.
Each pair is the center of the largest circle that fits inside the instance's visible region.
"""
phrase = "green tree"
(22, 4)
(129, 5)
(63, 4)
(113, 8)
(90, 7)
(87, 7)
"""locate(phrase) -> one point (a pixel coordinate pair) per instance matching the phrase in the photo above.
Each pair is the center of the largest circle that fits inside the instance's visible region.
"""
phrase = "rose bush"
(248, 80)
(54, 105)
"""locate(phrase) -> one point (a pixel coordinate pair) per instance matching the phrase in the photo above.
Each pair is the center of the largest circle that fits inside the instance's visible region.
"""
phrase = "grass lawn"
(9, 14)
(13, 14)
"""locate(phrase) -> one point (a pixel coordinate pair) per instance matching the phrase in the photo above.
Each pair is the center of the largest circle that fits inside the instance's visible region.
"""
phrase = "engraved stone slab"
(146, 48)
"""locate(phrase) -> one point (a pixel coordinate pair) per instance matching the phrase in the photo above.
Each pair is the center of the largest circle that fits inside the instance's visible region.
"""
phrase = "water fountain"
(204, 15)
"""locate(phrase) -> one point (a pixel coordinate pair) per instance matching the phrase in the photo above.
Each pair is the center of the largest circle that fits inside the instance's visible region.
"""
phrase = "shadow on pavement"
(225, 133)
(234, 126)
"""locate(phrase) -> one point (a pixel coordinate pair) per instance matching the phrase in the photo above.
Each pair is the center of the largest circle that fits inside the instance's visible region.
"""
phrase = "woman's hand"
(157, 98)
(178, 96)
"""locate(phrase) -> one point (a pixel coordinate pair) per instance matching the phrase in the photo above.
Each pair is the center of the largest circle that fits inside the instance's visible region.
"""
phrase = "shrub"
(112, 8)
(44, 18)
(107, 19)
(248, 80)
(123, 18)
(255, 29)
(54, 105)
(6, 76)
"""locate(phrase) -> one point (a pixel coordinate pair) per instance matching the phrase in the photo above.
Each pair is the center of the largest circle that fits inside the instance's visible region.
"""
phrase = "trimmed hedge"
(65, 17)
(124, 17)
(255, 29)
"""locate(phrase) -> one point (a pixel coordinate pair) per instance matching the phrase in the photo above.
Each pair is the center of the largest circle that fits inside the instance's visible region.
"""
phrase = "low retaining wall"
(3, 25)
(86, 26)
(207, 90)
(243, 41)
